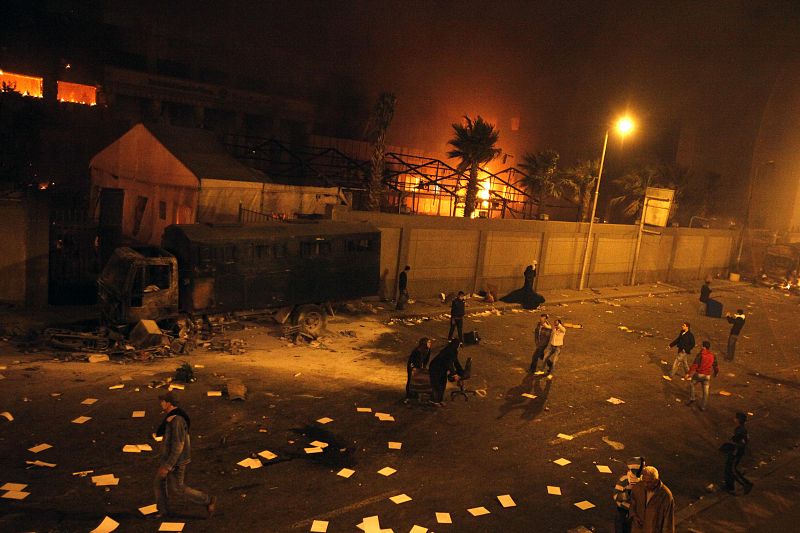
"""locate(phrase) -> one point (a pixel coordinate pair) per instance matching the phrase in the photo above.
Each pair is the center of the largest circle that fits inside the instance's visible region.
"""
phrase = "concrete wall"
(448, 254)
(25, 252)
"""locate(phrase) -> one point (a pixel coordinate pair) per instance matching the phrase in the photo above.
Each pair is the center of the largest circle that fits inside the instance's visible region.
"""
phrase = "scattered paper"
(370, 524)
(117, 387)
(395, 445)
(387, 471)
(8, 416)
(384, 417)
(528, 395)
(562, 462)
(40, 448)
(364, 409)
(41, 464)
(214, 393)
(418, 529)
(555, 491)
(314, 449)
(345, 472)
(443, 518)
(83, 473)
(106, 526)
(251, 463)
(319, 444)
(171, 526)
(614, 444)
(506, 500)
(15, 495)
(319, 526)
(539, 373)
(401, 498)
(105, 480)
(478, 511)
(584, 505)
(603, 469)
(81, 419)
(565, 436)
(325, 420)
(137, 414)
(131, 448)
(148, 509)
(724, 393)
(13, 486)
(268, 455)
(667, 378)
(615, 401)
(89, 401)
(176, 386)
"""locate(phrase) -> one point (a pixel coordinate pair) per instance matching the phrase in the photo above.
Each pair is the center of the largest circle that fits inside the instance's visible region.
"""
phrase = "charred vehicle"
(292, 269)
(781, 266)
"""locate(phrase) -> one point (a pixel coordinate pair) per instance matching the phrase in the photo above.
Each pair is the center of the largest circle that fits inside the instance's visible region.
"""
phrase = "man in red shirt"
(700, 372)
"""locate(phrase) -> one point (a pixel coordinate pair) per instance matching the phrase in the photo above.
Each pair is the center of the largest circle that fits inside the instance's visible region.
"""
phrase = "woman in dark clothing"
(416, 361)
(443, 365)
(526, 296)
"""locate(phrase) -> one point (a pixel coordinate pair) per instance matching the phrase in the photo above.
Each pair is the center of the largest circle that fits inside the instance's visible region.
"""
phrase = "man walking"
(700, 372)
(685, 343)
(737, 323)
(652, 505)
(541, 337)
(402, 288)
(735, 449)
(457, 312)
(554, 346)
(622, 494)
(175, 457)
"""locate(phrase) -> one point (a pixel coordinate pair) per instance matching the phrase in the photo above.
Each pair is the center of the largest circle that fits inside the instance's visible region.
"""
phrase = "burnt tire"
(311, 319)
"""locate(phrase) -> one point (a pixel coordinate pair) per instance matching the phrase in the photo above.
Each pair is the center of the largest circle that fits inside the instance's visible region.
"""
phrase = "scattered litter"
(319, 444)
(603, 469)
(664, 362)
(443, 518)
(395, 445)
(345, 473)
(528, 395)
(562, 462)
(117, 387)
(387, 471)
(138, 414)
(250, 463)
(40, 448)
(584, 505)
(174, 386)
(319, 526)
(667, 378)
(89, 401)
(199, 366)
(555, 491)
(401, 498)
(107, 525)
(539, 373)
(724, 393)
(171, 526)
(83, 473)
(418, 529)
(8, 416)
(506, 500)
(478, 511)
(325, 420)
(314, 449)
(214, 393)
(614, 444)
(298, 374)
(41, 464)
(98, 358)
(13, 486)
(81, 419)
(384, 417)
(571, 325)
(364, 409)
(268, 455)
(615, 401)
(148, 509)
(236, 390)
(564, 436)
(131, 448)
(15, 495)
(105, 480)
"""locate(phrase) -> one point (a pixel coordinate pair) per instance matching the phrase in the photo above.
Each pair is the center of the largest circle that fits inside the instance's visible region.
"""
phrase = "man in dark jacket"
(175, 457)
(735, 449)
(457, 312)
(737, 323)
(402, 288)
(685, 343)
(541, 336)
(652, 505)
(445, 365)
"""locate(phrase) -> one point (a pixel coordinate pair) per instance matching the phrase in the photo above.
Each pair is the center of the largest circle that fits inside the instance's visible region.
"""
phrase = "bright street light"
(623, 126)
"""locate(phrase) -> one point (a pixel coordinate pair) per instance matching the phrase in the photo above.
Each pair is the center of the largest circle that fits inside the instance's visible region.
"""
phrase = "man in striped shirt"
(622, 494)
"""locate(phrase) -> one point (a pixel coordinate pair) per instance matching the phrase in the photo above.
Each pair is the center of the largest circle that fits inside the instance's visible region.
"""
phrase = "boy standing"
(700, 372)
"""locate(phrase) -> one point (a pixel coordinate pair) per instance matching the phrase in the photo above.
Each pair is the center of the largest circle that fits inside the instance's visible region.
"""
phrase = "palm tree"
(378, 126)
(678, 178)
(581, 180)
(542, 179)
(475, 144)
(632, 187)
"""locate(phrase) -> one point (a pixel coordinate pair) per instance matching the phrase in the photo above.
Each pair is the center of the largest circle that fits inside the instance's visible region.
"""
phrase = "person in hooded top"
(445, 365)
(417, 361)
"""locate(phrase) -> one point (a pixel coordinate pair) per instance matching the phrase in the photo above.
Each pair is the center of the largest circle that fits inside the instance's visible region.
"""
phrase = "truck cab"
(138, 283)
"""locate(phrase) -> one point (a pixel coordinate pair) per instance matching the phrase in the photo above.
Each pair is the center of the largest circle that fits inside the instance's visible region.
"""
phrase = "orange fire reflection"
(25, 85)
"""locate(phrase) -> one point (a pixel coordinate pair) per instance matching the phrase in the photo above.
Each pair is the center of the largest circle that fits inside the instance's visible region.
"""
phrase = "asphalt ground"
(452, 459)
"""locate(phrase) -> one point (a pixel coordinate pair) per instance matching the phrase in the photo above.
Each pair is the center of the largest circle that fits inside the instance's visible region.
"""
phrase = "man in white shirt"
(554, 346)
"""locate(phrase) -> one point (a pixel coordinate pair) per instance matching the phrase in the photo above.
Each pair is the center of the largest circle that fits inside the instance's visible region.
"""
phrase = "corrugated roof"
(200, 152)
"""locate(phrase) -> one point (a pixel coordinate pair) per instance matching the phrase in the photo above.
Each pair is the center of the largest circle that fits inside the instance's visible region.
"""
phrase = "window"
(360, 245)
(156, 277)
(77, 93)
(315, 248)
(162, 210)
(262, 251)
(225, 254)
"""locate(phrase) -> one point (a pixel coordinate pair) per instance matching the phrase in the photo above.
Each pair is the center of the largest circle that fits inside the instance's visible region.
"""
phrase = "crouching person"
(445, 365)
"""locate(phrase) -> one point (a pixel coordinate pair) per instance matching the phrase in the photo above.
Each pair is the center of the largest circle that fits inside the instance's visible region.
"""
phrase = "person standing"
(554, 346)
(457, 312)
(736, 448)
(737, 323)
(175, 457)
(417, 361)
(541, 337)
(402, 287)
(622, 494)
(444, 365)
(700, 372)
(652, 507)
(685, 343)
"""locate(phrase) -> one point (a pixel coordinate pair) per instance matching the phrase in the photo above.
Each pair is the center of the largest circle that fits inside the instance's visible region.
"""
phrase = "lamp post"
(746, 226)
(623, 126)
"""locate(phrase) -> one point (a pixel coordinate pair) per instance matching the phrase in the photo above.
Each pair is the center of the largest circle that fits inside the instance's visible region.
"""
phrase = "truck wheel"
(311, 319)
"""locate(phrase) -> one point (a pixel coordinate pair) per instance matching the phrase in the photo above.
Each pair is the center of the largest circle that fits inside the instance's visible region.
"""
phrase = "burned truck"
(781, 266)
(289, 270)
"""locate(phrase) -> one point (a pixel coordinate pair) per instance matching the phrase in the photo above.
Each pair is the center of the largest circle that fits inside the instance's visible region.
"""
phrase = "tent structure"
(161, 175)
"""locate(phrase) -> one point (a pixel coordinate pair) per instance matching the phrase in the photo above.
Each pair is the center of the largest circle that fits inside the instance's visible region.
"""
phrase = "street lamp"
(746, 226)
(623, 126)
